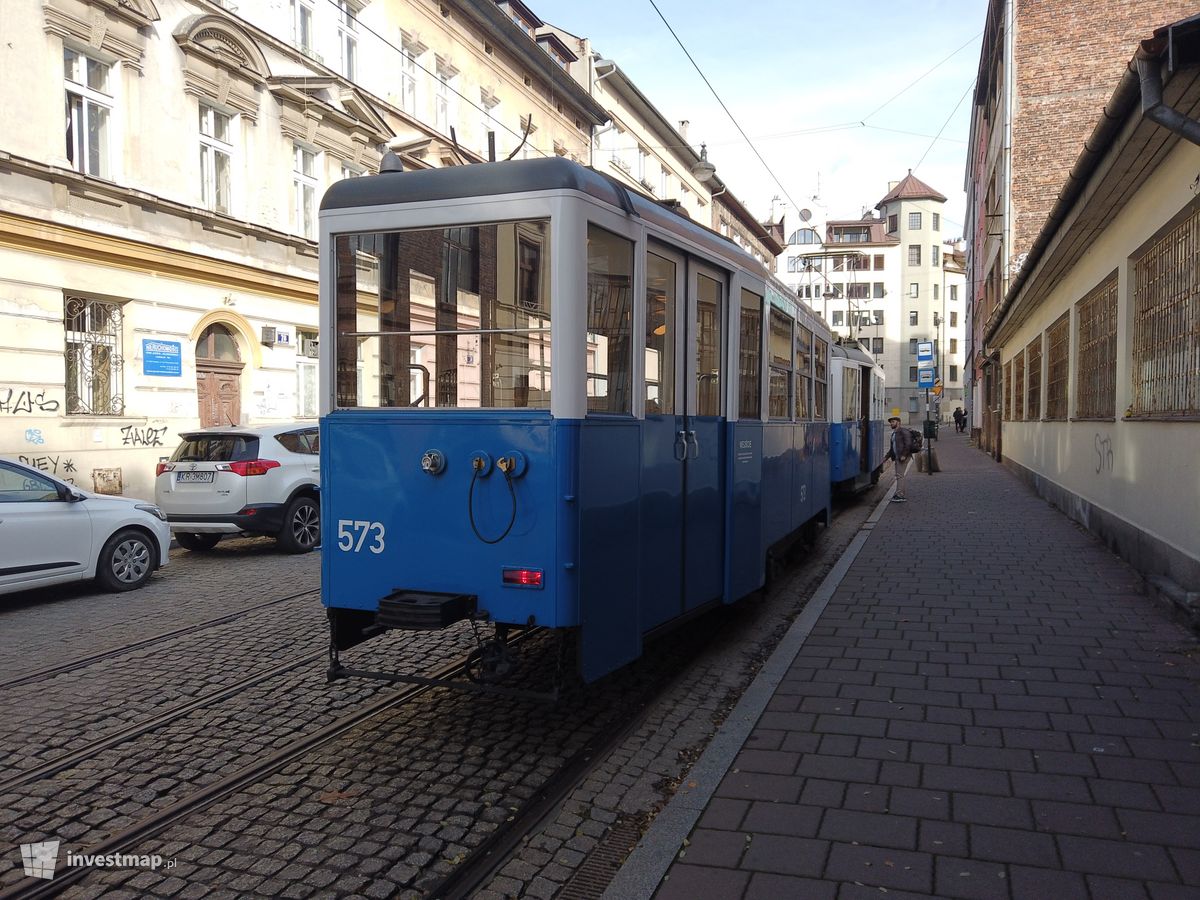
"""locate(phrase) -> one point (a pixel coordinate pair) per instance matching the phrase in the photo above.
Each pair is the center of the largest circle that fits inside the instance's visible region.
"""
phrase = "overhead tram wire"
(970, 87)
(920, 78)
(735, 122)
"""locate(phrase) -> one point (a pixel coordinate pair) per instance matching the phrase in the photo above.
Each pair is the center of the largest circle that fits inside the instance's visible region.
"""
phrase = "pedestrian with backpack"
(901, 451)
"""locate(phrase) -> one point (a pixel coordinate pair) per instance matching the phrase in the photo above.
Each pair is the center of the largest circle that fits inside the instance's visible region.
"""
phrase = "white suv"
(263, 480)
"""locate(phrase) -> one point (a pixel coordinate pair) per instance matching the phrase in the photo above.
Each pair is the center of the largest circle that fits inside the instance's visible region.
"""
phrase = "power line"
(944, 124)
(922, 77)
(749, 143)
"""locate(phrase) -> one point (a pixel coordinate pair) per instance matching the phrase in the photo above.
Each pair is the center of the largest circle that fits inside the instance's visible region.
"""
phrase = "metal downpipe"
(1153, 108)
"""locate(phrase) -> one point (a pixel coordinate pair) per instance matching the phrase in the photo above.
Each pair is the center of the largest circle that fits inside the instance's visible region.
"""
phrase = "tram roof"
(855, 353)
(520, 176)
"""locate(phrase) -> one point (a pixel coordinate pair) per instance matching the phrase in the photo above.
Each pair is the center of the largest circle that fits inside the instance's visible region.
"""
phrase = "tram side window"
(463, 317)
(820, 378)
(779, 343)
(851, 393)
(804, 373)
(660, 335)
(609, 314)
(750, 357)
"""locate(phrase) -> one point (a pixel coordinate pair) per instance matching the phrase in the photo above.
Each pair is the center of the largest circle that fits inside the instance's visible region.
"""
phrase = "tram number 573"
(353, 533)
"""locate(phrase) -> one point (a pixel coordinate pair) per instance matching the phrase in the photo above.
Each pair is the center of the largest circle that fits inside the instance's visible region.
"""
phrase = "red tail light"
(163, 467)
(253, 466)
(522, 577)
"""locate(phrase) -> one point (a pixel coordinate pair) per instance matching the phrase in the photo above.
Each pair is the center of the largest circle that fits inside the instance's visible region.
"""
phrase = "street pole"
(928, 438)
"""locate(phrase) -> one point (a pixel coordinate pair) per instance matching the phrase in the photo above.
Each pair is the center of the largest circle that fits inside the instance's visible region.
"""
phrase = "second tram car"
(858, 439)
(548, 400)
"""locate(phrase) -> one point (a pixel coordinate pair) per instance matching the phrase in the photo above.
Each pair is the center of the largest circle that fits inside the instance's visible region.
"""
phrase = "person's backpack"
(917, 440)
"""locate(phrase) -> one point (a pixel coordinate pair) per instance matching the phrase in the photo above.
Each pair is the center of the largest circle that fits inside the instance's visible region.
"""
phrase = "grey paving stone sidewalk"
(989, 706)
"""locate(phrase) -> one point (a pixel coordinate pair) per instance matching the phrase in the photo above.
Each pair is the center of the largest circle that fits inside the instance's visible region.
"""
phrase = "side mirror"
(70, 495)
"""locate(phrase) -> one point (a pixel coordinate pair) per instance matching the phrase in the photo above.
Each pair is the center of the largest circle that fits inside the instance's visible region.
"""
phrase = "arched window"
(804, 236)
(217, 343)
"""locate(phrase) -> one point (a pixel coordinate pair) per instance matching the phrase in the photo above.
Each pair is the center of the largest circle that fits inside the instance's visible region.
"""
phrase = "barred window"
(94, 362)
(1033, 379)
(1096, 364)
(1166, 323)
(1058, 339)
(1006, 411)
(1018, 395)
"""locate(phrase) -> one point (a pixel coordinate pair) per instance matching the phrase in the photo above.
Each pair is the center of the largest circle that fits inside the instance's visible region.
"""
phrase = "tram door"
(682, 502)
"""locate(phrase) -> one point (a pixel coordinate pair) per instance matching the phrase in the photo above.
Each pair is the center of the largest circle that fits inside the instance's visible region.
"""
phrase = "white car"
(262, 480)
(52, 532)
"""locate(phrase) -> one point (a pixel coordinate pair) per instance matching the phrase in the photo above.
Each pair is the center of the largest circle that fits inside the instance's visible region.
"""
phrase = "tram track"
(129, 838)
(92, 659)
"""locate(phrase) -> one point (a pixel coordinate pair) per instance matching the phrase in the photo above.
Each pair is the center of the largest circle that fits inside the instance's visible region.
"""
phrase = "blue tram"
(548, 400)
(858, 438)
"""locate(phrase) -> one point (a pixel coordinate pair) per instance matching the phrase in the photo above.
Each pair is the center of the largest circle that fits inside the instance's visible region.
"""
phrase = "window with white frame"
(95, 366)
(914, 290)
(306, 373)
(444, 106)
(643, 160)
(348, 38)
(914, 220)
(914, 253)
(953, 293)
(934, 252)
(937, 221)
(663, 176)
(302, 25)
(408, 75)
(304, 188)
(489, 118)
(216, 153)
(936, 287)
(89, 109)
(351, 171)
(913, 316)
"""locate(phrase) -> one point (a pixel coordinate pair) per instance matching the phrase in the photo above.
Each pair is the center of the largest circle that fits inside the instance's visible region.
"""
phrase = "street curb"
(643, 870)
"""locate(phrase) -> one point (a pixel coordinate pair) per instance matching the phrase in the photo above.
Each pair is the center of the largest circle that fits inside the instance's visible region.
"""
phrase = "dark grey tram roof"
(520, 176)
(855, 353)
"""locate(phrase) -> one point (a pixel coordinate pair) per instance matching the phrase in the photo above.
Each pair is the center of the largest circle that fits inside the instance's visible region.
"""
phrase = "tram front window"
(454, 318)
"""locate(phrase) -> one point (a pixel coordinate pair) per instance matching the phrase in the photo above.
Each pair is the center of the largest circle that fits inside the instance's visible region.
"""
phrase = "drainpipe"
(1150, 72)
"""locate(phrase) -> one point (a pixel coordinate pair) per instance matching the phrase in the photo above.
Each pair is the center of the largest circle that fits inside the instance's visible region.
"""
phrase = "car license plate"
(195, 477)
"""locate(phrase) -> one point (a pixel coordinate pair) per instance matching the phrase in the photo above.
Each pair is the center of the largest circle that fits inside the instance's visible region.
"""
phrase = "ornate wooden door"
(220, 396)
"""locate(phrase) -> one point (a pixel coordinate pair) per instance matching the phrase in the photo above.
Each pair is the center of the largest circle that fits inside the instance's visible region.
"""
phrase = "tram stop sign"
(925, 378)
(937, 388)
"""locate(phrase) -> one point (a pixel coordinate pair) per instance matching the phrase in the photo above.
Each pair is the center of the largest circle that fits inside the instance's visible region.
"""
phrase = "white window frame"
(489, 119)
(305, 187)
(408, 76)
(348, 39)
(212, 150)
(303, 16)
(914, 221)
(445, 108)
(88, 153)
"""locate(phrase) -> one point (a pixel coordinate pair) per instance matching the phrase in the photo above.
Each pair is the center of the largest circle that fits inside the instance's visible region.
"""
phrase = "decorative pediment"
(222, 63)
(323, 112)
(412, 43)
(111, 26)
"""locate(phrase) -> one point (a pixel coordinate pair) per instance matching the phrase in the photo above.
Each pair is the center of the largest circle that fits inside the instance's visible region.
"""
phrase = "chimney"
(683, 128)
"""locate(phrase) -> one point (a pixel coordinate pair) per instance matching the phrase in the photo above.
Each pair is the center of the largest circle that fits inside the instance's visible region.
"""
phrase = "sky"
(813, 85)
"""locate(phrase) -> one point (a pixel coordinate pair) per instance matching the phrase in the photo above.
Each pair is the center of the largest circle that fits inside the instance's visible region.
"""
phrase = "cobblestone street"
(119, 711)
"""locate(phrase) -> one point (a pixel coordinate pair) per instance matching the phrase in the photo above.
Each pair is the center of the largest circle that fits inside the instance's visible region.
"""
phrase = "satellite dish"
(805, 215)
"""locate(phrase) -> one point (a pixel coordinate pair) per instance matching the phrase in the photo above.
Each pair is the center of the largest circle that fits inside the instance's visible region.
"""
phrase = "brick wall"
(1069, 56)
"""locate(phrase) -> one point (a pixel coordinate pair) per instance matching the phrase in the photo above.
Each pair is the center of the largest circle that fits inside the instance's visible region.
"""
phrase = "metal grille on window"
(94, 361)
(1033, 366)
(1058, 339)
(1096, 378)
(1166, 324)
(1018, 395)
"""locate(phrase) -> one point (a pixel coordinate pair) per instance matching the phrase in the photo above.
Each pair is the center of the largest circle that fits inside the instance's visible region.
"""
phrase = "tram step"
(424, 610)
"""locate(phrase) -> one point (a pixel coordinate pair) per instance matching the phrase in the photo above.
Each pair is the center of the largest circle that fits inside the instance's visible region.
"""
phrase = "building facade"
(1099, 335)
(158, 240)
(1043, 72)
(890, 283)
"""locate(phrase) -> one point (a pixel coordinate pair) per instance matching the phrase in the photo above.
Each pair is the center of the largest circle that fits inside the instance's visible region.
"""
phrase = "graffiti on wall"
(133, 436)
(59, 466)
(34, 436)
(18, 402)
(106, 481)
(1104, 453)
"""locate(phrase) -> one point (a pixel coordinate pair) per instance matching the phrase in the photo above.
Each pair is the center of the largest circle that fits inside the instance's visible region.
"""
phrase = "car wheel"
(126, 562)
(199, 542)
(301, 526)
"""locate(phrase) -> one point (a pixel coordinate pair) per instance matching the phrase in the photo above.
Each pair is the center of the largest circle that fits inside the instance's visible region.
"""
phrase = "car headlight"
(153, 510)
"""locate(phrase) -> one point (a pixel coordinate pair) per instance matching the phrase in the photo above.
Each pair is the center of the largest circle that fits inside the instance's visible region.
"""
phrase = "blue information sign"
(924, 351)
(925, 378)
(162, 357)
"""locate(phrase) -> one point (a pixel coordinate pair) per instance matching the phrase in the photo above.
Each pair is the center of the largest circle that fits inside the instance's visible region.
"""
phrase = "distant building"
(1098, 335)
(889, 283)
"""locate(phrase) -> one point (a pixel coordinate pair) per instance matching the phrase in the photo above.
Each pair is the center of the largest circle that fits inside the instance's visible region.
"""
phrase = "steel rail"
(51, 671)
(87, 751)
(32, 888)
